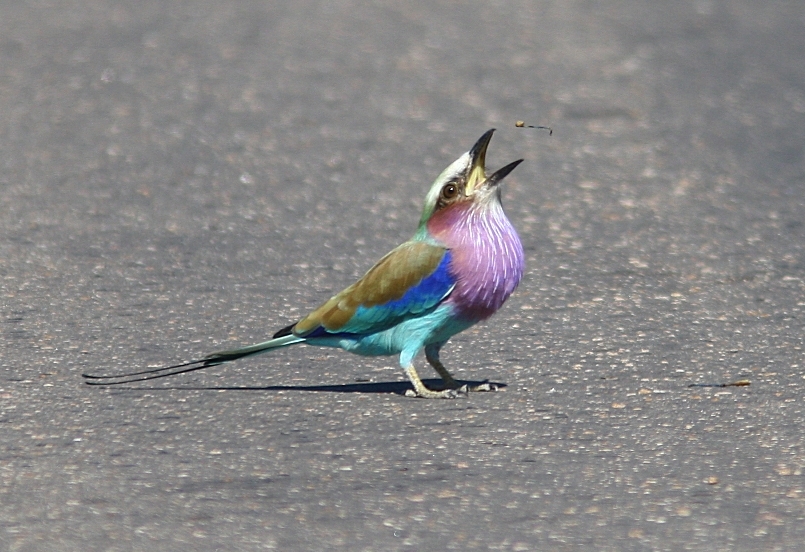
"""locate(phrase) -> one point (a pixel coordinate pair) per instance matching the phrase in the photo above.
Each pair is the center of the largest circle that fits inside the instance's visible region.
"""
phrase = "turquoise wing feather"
(411, 280)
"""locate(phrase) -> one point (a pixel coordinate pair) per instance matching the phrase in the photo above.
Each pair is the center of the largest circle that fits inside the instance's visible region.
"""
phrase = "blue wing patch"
(418, 300)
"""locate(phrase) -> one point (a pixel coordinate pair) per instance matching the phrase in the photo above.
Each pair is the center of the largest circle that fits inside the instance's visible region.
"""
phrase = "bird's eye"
(449, 191)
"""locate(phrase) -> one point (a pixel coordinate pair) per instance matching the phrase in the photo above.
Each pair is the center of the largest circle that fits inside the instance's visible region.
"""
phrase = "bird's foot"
(455, 392)
(483, 387)
(425, 393)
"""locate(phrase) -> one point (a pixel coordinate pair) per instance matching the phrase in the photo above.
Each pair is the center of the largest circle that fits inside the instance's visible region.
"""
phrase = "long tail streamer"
(210, 360)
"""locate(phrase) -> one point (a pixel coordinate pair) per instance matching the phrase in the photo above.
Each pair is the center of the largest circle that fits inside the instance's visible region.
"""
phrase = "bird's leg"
(432, 354)
(421, 391)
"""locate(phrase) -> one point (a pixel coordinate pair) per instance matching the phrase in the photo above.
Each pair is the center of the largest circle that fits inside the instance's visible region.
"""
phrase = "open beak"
(495, 178)
(477, 171)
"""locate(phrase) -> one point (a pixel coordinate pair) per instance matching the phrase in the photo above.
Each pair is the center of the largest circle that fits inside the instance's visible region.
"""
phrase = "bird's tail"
(213, 359)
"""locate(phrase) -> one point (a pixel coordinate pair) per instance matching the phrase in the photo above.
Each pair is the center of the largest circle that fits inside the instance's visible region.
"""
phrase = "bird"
(461, 265)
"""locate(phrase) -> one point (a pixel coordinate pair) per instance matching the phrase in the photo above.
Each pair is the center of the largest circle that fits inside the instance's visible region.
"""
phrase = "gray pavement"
(178, 177)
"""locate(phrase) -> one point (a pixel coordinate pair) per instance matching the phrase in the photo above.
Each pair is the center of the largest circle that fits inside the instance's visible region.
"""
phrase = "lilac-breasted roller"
(461, 265)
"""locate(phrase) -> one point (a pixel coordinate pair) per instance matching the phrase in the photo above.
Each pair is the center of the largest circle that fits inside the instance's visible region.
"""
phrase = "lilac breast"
(488, 259)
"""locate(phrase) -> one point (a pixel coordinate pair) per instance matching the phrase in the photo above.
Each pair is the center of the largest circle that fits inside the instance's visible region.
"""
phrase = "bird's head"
(465, 182)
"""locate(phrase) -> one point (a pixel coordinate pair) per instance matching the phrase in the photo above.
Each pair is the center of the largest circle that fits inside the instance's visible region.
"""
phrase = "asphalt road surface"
(180, 177)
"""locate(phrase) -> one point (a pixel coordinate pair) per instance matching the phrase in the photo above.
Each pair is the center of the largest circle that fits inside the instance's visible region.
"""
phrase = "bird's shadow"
(390, 387)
